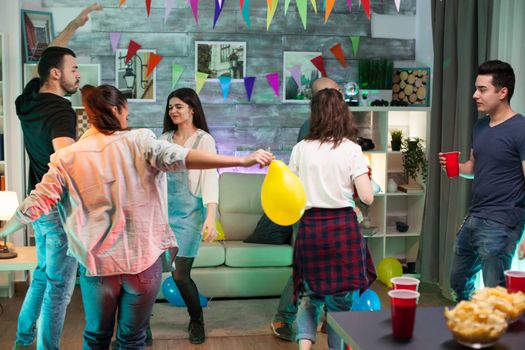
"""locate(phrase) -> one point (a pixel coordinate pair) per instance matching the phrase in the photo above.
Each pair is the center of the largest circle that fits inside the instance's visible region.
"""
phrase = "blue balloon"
(172, 294)
(368, 301)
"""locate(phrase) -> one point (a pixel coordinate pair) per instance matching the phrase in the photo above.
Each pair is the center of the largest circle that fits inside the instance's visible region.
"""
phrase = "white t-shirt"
(328, 174)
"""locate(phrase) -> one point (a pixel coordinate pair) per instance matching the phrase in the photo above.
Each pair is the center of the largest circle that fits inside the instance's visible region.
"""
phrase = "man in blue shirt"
(488, 237)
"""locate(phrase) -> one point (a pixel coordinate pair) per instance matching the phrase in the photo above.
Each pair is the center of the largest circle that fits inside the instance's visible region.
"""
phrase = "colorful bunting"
(121, 3)
(133, 47)
(114, 38)
(241, 3)
(295, 71)
(301, 7)
(328, 9)
(153, 61)
(148, 6)
(398, 3)
(318, 62)
(195, 9)
(349, 2)
(200, 79)
(286, 4)
(218, 8)
(168, 5)
(366, 7)
(337, 51)
(246, 12)
(176, 72)
(272, 6)
(314, 4)
(273, 80)
(225, 85)
(355, 44)
(248, 85)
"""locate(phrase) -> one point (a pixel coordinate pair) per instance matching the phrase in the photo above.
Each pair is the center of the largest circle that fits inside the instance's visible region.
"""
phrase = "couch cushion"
(240, 204)
(210, 254)
(240, 254)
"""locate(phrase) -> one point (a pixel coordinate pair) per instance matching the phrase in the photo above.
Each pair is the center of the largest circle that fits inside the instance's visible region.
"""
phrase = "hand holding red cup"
(450, 162)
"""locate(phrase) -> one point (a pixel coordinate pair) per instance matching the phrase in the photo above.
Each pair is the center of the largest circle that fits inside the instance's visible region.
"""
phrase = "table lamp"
(8, 205)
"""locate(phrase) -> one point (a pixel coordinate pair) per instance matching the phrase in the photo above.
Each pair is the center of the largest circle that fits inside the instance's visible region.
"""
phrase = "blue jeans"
(482, 244)
(310, 311)
(132, 294)
(51, 288)
(287, 310)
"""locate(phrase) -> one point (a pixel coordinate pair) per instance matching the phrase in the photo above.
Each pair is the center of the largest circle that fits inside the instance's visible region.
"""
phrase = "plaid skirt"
(330, 253)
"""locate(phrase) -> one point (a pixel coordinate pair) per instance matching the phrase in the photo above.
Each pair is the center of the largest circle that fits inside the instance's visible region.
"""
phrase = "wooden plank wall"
(238, 125)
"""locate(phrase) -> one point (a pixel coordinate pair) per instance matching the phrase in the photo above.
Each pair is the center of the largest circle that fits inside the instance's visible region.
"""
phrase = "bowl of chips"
(511, 304)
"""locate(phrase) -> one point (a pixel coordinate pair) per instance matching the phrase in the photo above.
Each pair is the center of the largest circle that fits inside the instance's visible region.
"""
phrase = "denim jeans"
(310, 310)
(287, 310)
(486, 245)
(133, 295)
(51, 288)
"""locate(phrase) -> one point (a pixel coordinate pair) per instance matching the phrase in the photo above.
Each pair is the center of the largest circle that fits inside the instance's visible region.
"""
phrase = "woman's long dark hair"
(330, 119)
(98, 103)
(190, 97)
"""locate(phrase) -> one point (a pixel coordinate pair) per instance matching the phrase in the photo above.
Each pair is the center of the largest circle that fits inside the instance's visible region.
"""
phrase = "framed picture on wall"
(89, 74)
(221, 58)
(37, 33)
(131, 79)
(299, 73)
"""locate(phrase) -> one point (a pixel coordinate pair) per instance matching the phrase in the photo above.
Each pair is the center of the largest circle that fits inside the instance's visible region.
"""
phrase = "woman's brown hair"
(98, 103)
(330, 119)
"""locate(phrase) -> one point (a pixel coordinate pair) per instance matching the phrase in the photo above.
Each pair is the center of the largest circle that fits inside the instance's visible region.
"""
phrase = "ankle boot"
(196, 330)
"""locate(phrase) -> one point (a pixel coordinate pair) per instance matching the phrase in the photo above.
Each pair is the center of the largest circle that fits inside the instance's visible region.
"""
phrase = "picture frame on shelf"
(221, 58)
(292, 92)
(131, 79)
(411, 86)
(37, 33)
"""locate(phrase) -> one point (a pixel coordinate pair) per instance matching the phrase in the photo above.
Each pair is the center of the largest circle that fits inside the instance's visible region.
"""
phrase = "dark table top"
(373, 331)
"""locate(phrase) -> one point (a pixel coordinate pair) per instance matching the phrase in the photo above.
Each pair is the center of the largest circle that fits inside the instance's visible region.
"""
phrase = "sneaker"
(283, 331)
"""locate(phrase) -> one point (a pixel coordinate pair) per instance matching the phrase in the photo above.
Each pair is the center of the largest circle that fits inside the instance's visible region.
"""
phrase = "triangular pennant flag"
(148, 6)
(241, 3)
(366, 7)
(176, 72)
(225, 85)
(318, 62)
(337, 51)
(114, 38)
(349, 2)
(273, 80)
(195, 9)
(168, 5)
(295, 71)
(355, 44)
(286, 4)
(121, 3)
(398, 3)
(153, 61)
(133, 47)
(328, 9)
(218, 9)
(248, 85)
(314, 4)
(301, 7)
(200, 79)
(272, 6)
(246, 12)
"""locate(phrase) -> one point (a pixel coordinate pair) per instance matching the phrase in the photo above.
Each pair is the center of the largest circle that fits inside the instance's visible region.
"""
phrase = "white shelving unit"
(389, 207)
(3, 122)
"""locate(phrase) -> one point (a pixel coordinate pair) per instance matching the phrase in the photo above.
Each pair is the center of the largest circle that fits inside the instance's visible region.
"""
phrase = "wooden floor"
(74, 325)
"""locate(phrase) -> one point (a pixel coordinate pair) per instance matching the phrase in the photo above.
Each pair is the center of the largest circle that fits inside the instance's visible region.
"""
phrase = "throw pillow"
(268, 232)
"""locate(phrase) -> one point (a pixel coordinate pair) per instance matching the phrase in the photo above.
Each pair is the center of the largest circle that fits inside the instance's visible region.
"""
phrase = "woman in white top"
(192, 197)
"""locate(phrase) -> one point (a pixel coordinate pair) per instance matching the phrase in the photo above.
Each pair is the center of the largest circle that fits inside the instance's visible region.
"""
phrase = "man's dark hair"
(502, 75)
(52, 57)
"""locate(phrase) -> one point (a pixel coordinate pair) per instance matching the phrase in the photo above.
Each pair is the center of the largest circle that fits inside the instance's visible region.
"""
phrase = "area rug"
(223, 318)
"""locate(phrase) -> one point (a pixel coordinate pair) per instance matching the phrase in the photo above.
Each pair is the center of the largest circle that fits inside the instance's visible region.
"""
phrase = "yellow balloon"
(388, 268)
(282, 195)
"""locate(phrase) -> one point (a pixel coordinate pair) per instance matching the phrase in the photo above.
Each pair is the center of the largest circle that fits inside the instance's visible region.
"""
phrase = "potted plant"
(414, 161)
(397, 137)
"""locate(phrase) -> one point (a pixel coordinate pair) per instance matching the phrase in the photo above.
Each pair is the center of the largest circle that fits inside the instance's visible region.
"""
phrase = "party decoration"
(200, 79)
(153, 61)
(248, 85)
(148, 6)
(398, 3)
(273, 80)
(329, 5)
(114, 38)
(176, 72)
(133, 47)
(282, 195)
(218, 9)
(121, 3)
(286, 5)
(173, 296)
(272, 7)
(195, 9)
(314, 4)
(318, 62)
(168, 5)
(388, 268)
(245, 10)
(296, 73)
(337, 51)
(349, 2)
(225, 82)
(366, 7)
(368, 301)
(355, 44)
(301, 8)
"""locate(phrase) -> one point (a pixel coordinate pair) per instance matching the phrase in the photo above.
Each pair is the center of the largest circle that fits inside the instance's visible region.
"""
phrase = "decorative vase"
(396, 145)
(391, 185)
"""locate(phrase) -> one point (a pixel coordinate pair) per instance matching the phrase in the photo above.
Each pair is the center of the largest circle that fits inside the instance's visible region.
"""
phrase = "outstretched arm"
(63, 38)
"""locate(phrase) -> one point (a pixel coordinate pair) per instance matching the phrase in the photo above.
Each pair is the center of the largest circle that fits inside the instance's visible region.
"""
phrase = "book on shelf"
(2, 182)
(411, 188)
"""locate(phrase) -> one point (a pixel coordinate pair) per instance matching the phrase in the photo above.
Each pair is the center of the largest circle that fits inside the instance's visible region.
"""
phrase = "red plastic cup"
(408, 283)
(515, 281)
(452, 165)
(403, 308)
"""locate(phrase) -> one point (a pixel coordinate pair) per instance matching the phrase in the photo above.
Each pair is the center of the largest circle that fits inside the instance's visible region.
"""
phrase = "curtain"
(461, 42)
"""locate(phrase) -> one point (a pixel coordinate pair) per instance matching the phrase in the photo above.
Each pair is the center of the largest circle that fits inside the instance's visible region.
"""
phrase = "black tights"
(188, 289)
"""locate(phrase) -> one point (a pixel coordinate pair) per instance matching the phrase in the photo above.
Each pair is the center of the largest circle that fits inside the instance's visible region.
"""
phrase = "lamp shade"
(8, 204)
